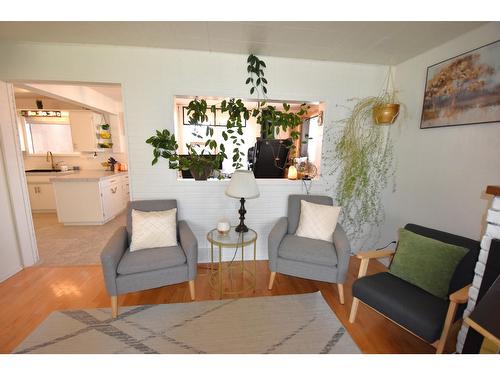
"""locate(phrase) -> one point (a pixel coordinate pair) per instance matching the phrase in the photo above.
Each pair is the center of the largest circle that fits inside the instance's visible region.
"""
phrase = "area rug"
(293, 324)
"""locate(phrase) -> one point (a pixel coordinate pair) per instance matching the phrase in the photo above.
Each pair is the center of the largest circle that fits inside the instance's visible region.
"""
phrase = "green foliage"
(255, 69)
(271, 119)
(365, 162)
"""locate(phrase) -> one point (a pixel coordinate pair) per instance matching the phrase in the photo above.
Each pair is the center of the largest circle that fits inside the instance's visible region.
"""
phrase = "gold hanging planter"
(385, 114)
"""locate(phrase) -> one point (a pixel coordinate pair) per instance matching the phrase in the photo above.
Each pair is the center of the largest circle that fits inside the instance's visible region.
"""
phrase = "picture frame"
(463, 90)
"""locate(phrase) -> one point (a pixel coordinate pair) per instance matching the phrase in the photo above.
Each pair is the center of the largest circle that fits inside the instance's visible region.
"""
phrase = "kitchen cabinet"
(41, 192)
(90, 197)
(42, 196)
(84, 125)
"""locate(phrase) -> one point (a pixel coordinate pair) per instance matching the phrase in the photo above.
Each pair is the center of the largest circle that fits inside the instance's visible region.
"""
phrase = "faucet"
(49, 155)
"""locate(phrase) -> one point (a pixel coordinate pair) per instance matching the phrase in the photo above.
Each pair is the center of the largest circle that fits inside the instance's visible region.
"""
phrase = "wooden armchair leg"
(191, 290)
(114, 306)
(271, 280)
(341, 293)
(450, 316)
(354, 310)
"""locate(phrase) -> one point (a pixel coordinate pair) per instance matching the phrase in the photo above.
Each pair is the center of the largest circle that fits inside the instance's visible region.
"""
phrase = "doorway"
(75, 162)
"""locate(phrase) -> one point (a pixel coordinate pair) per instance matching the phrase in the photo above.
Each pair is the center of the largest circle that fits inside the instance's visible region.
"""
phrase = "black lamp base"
(242, 227)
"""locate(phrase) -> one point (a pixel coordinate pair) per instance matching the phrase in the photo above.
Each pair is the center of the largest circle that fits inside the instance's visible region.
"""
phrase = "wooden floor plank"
(27, 298)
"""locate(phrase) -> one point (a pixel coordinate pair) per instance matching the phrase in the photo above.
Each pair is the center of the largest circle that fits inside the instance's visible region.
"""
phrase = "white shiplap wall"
(152, 77)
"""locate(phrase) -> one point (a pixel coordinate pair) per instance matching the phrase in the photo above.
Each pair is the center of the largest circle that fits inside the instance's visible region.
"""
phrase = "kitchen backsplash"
(84, 161)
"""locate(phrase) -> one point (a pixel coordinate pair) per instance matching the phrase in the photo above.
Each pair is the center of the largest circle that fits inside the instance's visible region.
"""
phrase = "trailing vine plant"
(269, 117)
(364, 163)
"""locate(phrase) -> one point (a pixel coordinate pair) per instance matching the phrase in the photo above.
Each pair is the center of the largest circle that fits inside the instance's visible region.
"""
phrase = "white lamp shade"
(243, 185)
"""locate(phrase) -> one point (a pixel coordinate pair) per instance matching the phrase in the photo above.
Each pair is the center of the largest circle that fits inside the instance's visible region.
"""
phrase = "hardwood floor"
(28, 297)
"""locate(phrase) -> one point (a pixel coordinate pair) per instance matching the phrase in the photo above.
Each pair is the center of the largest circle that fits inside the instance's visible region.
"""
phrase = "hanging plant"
(364, 161)
(386, 108)
(273, 120)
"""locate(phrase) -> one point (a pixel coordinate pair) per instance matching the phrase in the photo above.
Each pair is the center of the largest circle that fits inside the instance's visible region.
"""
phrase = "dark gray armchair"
(126, 271)
(419, 312)
(305, 257)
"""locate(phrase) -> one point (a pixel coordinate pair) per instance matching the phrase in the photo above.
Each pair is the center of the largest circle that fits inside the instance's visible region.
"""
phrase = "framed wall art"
(463, 90)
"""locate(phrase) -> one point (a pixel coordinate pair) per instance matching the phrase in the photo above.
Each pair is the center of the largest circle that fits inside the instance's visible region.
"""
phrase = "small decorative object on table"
(223, 227)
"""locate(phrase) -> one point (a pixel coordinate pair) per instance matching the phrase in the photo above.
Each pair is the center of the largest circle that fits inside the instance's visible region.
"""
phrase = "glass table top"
(231, 238)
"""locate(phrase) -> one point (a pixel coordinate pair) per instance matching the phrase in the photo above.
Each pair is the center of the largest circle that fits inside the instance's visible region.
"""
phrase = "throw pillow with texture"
(426, 262)
(152, 229)
(317, 221)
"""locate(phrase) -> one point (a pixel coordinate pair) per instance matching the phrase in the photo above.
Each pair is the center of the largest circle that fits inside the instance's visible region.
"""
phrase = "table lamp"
(242, 186)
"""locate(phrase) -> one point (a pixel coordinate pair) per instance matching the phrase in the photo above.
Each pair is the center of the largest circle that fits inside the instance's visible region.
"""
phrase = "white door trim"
(16, 179)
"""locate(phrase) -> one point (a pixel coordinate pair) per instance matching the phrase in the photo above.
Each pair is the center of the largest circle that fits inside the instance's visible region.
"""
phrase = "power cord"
(380, 248)
(384, 247)
(308, 188)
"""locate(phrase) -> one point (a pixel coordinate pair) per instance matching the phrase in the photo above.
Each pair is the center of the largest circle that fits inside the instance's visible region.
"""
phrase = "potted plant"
(385, 107)
(201, 164)
(363, 161)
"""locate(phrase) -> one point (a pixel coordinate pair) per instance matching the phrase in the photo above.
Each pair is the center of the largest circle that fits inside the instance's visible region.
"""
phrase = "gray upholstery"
(150, 259)
(292, 247)
(304, 257)
(126, 271)
(406, 304)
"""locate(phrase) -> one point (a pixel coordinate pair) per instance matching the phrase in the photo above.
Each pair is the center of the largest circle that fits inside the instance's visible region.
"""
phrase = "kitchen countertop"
(87, 176)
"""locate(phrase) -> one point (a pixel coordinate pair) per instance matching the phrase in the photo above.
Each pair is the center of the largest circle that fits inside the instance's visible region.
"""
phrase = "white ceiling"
(363, 42)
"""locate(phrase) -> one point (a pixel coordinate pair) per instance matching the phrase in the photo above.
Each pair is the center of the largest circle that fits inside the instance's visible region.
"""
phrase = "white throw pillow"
(153, 229)
(317, 221)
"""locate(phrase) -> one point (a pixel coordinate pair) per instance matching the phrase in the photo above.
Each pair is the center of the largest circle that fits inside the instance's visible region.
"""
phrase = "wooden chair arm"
(461, 295)
(373, 254)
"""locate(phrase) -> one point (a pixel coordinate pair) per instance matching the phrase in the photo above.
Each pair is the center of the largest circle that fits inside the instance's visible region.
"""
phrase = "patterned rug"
(293, 324)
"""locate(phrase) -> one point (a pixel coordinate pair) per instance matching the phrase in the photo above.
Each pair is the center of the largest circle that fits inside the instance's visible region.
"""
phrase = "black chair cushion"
(411, 307)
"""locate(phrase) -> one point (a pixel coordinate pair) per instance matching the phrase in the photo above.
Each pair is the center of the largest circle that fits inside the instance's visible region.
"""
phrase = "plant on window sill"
(271, 119)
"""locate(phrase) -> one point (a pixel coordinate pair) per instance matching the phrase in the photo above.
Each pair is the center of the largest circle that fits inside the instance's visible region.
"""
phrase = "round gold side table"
(237, 241)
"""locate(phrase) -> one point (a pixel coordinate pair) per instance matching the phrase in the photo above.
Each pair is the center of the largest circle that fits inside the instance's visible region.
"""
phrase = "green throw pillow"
(425, 262)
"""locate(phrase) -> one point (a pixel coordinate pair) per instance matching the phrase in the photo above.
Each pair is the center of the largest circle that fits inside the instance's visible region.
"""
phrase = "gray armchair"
(126, 271)
(305, 257)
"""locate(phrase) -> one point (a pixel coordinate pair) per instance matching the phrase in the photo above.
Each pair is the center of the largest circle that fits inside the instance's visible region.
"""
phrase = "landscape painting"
(464, 89)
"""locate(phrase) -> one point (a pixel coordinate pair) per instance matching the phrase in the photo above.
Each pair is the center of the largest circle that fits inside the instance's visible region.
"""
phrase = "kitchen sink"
(43, 170)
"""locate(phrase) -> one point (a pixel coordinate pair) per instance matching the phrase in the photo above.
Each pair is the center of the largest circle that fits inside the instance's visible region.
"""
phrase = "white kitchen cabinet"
(83, 131)
(42, 196)
(112, 197)
(90, 198)
(85, 126)
(117, 132)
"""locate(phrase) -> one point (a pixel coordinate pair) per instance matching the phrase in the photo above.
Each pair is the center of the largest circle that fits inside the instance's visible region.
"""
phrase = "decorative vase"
(385, 114)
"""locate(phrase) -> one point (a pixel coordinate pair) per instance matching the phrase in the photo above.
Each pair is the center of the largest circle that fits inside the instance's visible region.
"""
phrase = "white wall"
(15, 218)
(10, 261)
(442, 172)
(151, 77)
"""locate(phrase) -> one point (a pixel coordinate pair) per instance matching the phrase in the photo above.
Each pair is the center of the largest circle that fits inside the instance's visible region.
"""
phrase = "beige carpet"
(71, 245)
(294, 324)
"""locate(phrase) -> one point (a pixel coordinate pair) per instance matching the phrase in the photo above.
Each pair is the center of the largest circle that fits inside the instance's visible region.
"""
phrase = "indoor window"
(48, 134)
(268, 158)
